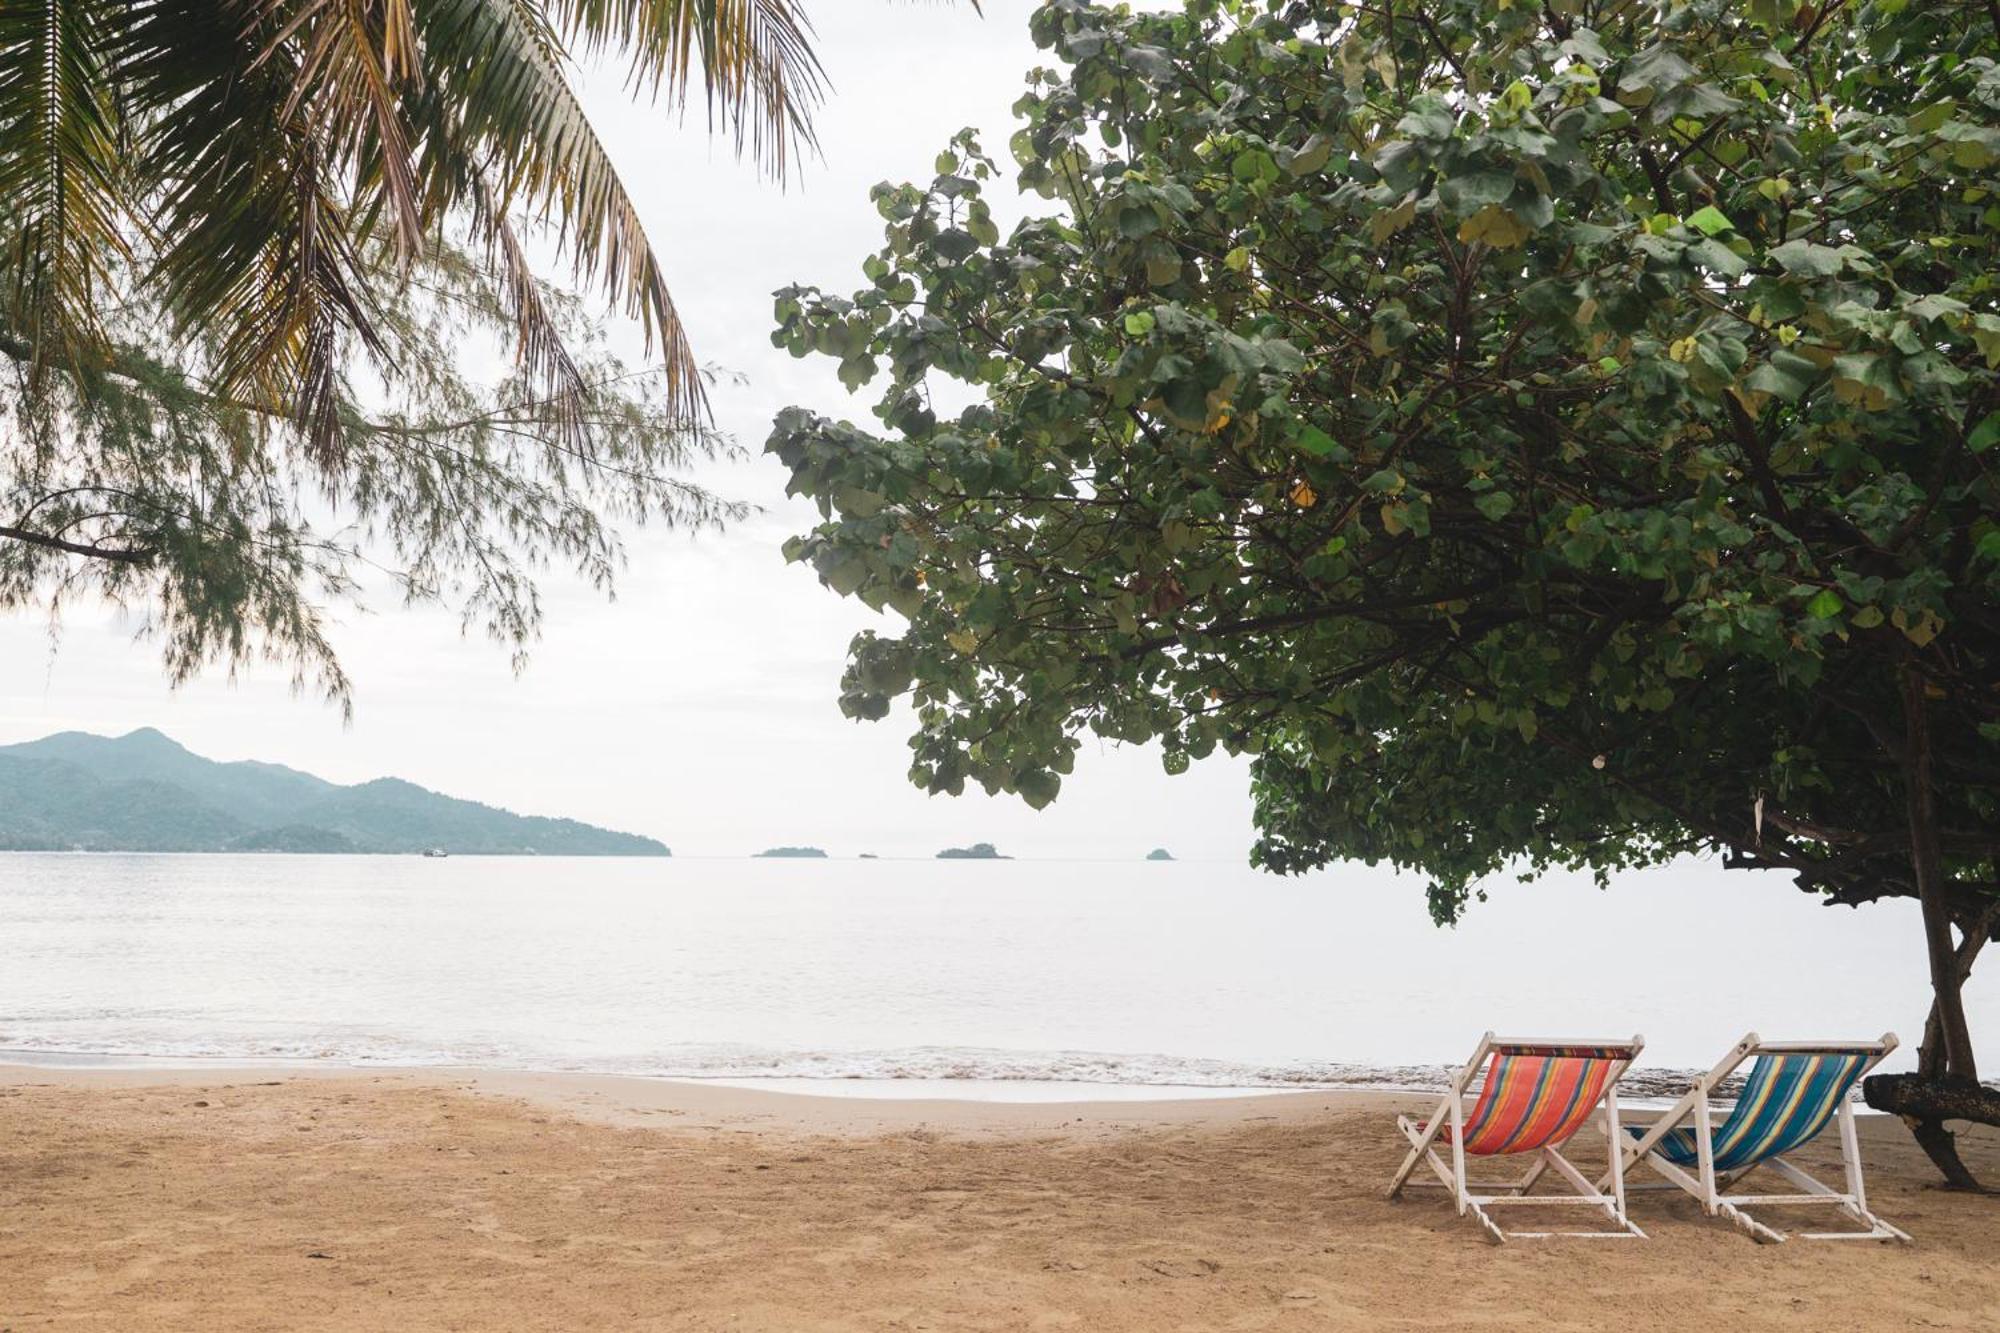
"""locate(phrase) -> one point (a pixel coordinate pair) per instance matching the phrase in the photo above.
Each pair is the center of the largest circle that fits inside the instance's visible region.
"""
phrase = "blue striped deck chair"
(1793, 1092)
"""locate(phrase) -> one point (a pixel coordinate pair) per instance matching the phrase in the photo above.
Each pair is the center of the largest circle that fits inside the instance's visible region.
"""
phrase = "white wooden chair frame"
(1708, 1186)
(1477, 1197)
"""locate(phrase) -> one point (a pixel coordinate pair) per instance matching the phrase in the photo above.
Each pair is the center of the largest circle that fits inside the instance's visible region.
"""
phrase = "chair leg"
(1424, 1153)
(1854, 1207)
(1420, 1141)
(1493, 1229)
(1614, 1143)
(1756, 1230)
(1719, 1207)
(1588, 1193)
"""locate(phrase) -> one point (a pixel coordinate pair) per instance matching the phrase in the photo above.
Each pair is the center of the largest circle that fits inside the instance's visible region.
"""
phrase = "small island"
(1159, 854)
(794, 852)
(978, 851)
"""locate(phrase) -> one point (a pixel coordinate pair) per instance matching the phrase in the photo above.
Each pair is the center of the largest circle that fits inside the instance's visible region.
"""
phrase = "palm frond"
(538, 341)
(500, 96)
(61, 211)
(257, 256)
(753, 60)
(349, 54)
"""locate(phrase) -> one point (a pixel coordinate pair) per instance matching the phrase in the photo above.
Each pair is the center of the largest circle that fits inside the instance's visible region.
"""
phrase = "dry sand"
(443, 1200)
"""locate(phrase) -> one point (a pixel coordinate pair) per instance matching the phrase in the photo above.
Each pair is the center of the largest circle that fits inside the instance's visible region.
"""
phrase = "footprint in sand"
(1176, 1268)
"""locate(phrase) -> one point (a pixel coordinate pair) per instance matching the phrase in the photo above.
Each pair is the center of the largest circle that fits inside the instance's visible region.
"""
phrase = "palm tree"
(265, 175)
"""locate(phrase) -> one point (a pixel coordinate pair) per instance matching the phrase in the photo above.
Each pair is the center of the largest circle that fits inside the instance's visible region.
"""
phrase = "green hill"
(144, 792)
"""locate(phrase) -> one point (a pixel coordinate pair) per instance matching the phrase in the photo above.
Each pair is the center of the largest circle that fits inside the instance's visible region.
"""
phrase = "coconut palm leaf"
(349, 53)
(752, 58)
(265, 172)
(257, 259)
(61, 208)
(500, 97)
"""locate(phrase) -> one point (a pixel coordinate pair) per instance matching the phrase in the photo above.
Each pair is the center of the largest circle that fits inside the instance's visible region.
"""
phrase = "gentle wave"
(737, 1063)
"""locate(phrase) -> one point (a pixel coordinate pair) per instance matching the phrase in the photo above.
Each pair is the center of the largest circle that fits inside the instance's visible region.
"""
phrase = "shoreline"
(639, 1100)
(948, 1073)
(1643, 1089)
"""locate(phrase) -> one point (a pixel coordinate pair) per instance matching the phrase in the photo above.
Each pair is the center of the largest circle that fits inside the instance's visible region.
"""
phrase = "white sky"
(700, 706)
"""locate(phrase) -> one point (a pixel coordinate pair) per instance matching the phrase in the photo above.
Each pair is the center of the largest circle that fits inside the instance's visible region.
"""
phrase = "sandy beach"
(281, 1199)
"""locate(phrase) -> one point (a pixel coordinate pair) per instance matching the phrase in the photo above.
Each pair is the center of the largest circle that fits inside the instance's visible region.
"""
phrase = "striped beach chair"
(1535, 1096)
(1793, 1092)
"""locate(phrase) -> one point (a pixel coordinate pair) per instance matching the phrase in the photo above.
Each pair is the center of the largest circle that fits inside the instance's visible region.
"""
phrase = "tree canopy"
(269, 303)
(1542, 435)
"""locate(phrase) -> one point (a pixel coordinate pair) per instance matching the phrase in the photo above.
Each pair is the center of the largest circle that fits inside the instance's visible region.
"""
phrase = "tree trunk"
(1925, 1104)
(1926, 863)
(1945, 1064)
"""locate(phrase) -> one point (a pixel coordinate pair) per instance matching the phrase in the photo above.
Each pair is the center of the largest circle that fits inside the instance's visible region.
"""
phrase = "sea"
(1022, 979)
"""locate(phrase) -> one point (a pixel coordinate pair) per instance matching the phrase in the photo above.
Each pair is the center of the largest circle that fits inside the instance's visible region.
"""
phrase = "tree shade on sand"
(1538, 435)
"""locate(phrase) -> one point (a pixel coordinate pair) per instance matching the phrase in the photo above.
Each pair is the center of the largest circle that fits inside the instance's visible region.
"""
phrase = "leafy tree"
(1541, 435)
(256, 256)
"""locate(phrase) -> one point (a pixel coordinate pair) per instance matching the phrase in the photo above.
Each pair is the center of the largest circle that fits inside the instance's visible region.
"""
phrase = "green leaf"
(1777, 381)
(1314, 441)
(1825, 605)
(1710, 221)
(955, 243)
(1311, 156)
(1254, 165)
(1718, 258)
(1932, 116)
(1037, 786)
(1985, 434)
(1138, 220)
(1429, 117)
(1496, 226)
(1476, 189)
(1804, 257)
(1657, 69)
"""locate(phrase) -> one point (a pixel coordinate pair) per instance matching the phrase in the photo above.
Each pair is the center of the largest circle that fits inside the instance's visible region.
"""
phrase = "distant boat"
(436, 851)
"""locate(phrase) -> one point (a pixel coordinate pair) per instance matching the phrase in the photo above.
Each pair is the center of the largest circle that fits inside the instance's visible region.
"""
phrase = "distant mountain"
(794, 853)
(144, 792)
(1159, 854)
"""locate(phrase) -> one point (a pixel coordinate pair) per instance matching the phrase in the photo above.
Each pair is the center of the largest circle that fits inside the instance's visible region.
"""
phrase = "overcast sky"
(700, 706)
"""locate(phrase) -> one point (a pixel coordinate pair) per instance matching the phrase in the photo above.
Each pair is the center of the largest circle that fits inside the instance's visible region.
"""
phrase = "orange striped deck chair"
(1795, 1089)
(1534, 1097)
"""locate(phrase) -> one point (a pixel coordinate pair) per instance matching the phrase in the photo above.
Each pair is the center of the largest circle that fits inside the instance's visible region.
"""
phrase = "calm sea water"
(1182, 975)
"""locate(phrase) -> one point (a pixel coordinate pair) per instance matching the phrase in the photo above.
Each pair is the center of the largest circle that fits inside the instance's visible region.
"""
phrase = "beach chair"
(1794, 1090)
(1536, 1095)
